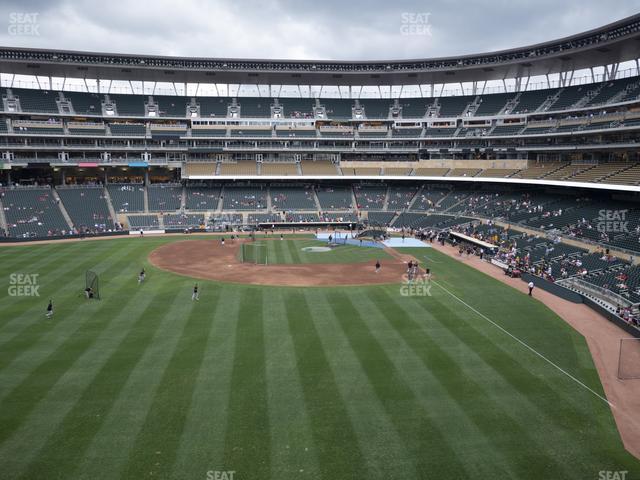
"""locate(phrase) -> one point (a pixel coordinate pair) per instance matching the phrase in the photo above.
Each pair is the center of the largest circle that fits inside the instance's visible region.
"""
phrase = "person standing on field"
(195, 295)
(531, 285)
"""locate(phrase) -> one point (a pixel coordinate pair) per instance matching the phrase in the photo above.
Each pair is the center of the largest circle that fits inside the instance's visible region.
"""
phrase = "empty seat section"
(164, 197)
(33, 212)
(126, 197)
(87, 207)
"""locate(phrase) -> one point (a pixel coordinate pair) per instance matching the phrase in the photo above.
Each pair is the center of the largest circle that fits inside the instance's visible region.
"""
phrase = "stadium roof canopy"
(608, 45)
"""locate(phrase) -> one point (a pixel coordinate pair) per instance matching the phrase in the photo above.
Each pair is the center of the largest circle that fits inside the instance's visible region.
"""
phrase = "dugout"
(462, 238)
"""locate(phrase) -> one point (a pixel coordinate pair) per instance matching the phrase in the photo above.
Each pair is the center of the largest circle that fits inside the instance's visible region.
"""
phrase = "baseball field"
(466, 378)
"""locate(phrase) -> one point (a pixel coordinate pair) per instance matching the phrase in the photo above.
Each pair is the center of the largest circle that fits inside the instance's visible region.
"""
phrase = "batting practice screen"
(92, 282)
(254, 253)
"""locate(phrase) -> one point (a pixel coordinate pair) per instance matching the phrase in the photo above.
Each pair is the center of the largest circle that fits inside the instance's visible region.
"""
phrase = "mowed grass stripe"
(526, 318)
(35, 261)
(294, 250)
(381, 447)
(543, 393)
(63, 284)
(292, 446)
(336, 442)
(42, 335)
(202, 446)
(29, 351)
(482, 460)
(417, 430)
(501, 432)
(52, 272)
(274, 251)
(65, 447)
(60, 398)
(247, 438)
(128, 413)
(166, 418)
(522, 372)
(284, 247)
(17, 403)
(12, 259)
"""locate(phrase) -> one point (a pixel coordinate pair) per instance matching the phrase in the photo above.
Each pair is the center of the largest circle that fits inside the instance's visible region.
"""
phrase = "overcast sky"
(321, 29)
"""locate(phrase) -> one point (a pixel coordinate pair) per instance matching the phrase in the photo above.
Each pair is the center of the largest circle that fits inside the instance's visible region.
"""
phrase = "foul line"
(525, 345)
(426, 257)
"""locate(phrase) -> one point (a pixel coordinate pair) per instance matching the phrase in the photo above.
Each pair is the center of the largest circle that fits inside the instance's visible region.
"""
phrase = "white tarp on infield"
(398, 242)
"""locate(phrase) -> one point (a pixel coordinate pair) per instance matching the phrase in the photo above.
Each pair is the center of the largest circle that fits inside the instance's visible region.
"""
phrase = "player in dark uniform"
(50, 309)
(195, 295)
(377, 266)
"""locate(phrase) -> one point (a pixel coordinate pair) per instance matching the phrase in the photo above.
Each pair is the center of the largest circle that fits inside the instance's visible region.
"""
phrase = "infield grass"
(288, 251)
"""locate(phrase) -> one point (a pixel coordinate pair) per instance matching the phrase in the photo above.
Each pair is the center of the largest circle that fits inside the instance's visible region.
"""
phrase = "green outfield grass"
(290, 251)
(288, 383)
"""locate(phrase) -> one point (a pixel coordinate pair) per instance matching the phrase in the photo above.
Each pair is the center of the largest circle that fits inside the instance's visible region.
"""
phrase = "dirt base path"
(603, 339)
(208, 260)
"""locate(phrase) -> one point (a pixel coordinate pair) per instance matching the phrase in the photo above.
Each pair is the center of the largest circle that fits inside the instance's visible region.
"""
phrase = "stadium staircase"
(433, 110)
(269, 199)
(415, 198)
(161, 222)
(183, 200)
(551, 172)
(550, 101)
(471, 109)
(385, 205)
(146, 200)
(395, 217)
(626, 92)
(354, 200)
(619, 172)
(444, 197)
(590, 95)
(65, 214)
(510, 105)
(3, 220)
(316, 200)
(112, 211)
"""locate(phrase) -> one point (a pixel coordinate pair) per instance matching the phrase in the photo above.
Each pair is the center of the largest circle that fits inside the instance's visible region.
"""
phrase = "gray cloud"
(303, 29)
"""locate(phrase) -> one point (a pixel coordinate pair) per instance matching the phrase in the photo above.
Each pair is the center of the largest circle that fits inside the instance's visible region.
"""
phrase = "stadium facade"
(584, 132)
